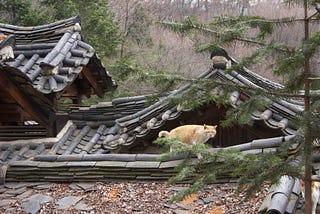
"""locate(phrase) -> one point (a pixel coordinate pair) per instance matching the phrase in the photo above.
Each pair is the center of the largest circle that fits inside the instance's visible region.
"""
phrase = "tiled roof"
(52, 55)
(80, 151)
(283, 197)
(140, 123)
(279, 114)
(47, 62)
(108, 126)
(37, 162)
(34, 162)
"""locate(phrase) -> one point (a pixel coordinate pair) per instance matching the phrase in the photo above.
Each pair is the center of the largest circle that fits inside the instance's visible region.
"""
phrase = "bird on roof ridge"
(220, 59)
(7, 44)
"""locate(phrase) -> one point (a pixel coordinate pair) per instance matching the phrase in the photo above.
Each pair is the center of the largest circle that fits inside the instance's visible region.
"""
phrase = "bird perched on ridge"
(7, 44)
(317, 5)
(220, 59)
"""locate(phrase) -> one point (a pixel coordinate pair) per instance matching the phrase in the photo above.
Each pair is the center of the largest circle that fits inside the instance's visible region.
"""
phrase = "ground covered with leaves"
(124, 197)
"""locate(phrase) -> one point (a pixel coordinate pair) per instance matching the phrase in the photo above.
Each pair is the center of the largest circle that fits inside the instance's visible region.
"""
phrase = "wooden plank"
(10, 111)
(19, 129)
(18, 134)
(71, 91)
(23, 127)
(4, 95)
(9, 86)
(10, 117)
(12, 108)
(92, 81)
(5, 138)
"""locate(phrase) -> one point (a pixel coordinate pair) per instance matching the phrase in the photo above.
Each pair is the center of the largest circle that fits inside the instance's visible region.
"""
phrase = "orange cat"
(315, 194)
(191, 134)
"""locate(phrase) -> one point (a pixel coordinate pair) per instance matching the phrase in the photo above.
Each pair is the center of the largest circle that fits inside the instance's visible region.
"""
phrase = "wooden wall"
(213, 115)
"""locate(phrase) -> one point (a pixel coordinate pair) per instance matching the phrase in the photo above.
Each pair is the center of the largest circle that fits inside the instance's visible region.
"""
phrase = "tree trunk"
(126, 19)
(308, 142)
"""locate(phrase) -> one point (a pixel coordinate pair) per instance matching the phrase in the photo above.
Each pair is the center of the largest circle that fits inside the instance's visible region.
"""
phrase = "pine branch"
(279, 93)
(256, 21)
(221, 34)
(252, 170)
(237, 24)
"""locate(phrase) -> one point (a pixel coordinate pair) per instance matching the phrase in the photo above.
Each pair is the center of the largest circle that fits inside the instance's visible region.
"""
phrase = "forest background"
(127, 34)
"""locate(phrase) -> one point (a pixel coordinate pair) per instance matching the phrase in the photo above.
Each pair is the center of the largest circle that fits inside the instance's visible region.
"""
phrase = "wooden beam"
(10, 108)
(10, 118)
(71, 91)
(9, 86)
(86, 72)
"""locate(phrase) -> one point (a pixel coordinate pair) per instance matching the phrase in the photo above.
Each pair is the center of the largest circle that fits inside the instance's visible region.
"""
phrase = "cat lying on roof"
(191, 134)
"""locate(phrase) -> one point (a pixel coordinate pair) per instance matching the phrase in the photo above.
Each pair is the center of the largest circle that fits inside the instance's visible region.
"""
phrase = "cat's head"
(211, 131)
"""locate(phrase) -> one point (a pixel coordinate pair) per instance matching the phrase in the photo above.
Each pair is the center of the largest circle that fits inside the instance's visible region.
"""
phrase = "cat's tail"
(163, 134)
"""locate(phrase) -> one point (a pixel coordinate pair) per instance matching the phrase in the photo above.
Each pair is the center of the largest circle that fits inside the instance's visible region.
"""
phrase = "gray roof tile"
(81, 163)
(143, 164)
(148, 157)
(116, 164)
(170, 164)
(47, 60)
(281, 196)
(62, 48)
(78, 154)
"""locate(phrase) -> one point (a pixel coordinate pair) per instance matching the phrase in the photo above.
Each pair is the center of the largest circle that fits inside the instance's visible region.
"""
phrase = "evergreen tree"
(292, 61)
(98, 26)
(23, 12)
(61, 9)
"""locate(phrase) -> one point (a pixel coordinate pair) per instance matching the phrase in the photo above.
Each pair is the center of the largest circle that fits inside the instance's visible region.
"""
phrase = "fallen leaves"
(189, 199)
(113, 195)
(217, 210)
(145, 197)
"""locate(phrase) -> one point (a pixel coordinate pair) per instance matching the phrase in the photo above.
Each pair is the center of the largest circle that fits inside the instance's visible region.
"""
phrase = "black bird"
(317, 5)
(220, 59)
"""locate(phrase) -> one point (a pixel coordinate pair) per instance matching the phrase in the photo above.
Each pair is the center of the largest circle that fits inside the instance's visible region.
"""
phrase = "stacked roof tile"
(81, 150)
(108, 126)
(52, 55)
(38, 66)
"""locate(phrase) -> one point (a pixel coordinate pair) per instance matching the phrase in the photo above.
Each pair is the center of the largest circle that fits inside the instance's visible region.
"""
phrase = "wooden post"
(51, 127)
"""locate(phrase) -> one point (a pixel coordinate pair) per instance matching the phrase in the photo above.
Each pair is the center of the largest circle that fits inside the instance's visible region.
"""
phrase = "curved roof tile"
(128, 119)
(53, 55)
(96, 130)
(131, 118)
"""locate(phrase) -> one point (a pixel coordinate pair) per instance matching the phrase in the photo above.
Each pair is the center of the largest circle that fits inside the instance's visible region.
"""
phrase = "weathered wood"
(92, 81)
(72, 91)
(10, 108)
(21, 135)
(8, 85)
(21, 128)
(10, 117)
(21, 132)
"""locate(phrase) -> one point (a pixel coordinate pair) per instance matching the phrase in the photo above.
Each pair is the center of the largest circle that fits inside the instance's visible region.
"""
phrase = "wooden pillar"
(51, 127)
